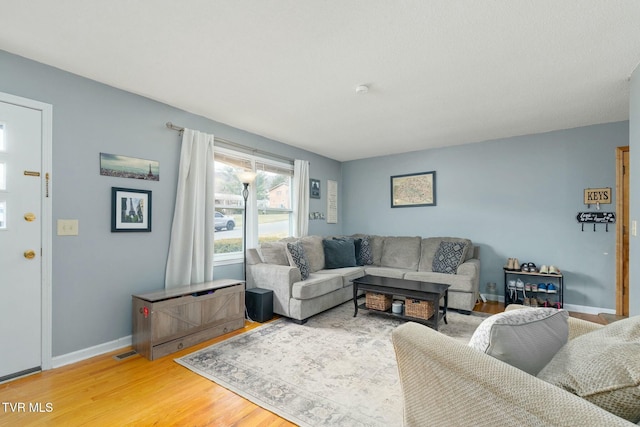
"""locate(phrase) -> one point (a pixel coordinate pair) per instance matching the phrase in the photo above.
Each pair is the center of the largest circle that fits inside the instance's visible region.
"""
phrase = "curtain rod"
(235, 145)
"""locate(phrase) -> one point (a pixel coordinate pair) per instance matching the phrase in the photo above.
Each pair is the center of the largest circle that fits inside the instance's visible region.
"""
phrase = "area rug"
(333, 370)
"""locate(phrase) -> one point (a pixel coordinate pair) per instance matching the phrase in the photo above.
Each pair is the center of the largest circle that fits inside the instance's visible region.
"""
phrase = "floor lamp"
(246, 178)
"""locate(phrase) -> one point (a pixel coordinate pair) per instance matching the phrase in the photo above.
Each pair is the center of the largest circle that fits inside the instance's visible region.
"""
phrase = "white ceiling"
(441, 72)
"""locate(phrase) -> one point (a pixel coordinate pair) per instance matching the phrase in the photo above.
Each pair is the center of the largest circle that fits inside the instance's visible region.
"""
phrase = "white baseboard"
(569, 307)
(87, 353)
(588, 309)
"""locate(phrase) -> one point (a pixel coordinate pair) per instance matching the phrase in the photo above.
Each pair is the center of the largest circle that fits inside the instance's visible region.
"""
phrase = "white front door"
(21, 232)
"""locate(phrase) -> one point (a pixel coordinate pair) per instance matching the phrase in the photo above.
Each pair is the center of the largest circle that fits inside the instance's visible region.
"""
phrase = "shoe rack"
(544, 299)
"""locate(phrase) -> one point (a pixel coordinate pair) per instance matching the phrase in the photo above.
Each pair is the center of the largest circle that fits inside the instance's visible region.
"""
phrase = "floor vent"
(125, 355)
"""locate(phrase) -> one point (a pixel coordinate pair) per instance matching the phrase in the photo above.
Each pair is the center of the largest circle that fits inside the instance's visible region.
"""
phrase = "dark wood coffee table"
(425, 291)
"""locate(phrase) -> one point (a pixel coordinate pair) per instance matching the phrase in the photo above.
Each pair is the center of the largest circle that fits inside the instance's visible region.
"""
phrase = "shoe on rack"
(544, 269)
(524, 267)
(541, 302)
(554, 270)
(527, 287)
(542, 287)
(509, 265)
(527, 303)
(557, 305)
(551, 289)
(532, 267)
(533, 302)
(516, 264)
(511, 287)
(534, 287)
(520, 288)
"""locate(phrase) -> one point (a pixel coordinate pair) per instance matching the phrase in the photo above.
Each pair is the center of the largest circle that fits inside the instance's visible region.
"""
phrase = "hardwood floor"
(103, 391)
(498, 307)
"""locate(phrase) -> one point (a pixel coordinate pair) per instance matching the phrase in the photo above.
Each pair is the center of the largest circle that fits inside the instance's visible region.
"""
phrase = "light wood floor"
(103, 391)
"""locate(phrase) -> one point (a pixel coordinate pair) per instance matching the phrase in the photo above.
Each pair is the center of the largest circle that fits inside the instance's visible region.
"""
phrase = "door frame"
(46, 192)
(620, 229)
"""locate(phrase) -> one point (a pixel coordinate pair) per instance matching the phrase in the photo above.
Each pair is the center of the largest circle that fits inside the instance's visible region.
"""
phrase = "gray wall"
(95, 273)
(634, 184)
(515, 197)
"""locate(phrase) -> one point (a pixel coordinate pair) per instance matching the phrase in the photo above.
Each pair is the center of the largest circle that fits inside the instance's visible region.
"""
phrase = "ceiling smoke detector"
(362, 89)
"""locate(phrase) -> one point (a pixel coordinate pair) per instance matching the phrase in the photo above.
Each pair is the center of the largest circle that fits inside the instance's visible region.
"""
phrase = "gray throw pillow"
(297, 255)
(448, 257)
(339, 253)
(527, 338)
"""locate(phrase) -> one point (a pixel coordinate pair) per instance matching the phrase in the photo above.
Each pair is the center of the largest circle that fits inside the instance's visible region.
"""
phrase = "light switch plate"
(67, 227)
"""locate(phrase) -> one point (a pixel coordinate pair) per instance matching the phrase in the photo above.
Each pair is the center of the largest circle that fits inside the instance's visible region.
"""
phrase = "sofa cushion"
(430, 246)
(603, 367)
(456, 282)
(339, 253)
(448, 257)
(396, 273)
(298, 258)
(401, 252)
(527, 338)
(315, 252)
(348, 274)
(274, 253)
(316, 285)
(377, 242)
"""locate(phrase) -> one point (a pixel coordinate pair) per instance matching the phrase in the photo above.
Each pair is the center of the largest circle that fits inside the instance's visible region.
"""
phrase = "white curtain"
(191, 247)
(301, 198)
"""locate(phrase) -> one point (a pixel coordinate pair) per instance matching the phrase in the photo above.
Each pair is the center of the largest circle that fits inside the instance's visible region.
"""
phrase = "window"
(273, 207)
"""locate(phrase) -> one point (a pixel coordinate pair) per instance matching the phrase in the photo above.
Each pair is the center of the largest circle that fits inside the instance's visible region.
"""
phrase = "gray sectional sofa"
(271, 267)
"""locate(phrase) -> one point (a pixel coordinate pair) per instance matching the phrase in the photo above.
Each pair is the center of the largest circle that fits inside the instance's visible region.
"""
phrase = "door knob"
(29, 217)
(30, 254)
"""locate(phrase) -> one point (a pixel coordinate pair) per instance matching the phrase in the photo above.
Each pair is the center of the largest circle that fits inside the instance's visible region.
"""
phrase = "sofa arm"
(445, 382)
(278, 278)
(470, 267)
(579, 327)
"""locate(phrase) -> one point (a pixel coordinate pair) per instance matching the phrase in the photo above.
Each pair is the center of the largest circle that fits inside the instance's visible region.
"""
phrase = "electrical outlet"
(67, 227)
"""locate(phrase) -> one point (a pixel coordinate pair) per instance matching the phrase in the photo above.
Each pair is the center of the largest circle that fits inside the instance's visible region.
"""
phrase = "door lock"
(30, 254)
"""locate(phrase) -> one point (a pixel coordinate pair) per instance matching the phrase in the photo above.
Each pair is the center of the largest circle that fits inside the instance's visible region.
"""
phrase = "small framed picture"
(130, 210)
(314, 188)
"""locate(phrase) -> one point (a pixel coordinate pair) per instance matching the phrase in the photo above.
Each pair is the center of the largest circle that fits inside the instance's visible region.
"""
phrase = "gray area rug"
(335, 370)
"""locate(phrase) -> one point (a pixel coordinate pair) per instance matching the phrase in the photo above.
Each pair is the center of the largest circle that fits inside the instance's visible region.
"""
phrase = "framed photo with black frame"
(314, 185)
(130, 210)
(415, 189)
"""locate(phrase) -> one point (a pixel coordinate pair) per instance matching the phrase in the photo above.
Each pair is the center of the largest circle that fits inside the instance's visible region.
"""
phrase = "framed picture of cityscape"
(129, 167)
(130, 210)
(416, 189)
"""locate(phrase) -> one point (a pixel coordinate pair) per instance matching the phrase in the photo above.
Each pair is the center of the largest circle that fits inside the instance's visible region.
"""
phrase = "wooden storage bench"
(170, 320)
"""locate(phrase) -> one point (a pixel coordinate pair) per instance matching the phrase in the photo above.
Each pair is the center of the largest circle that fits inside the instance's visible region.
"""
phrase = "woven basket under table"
(418, 308)
(376, 301)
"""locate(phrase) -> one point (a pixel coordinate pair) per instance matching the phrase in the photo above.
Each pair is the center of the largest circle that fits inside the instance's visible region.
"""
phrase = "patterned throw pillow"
(365, 256)
(527, 338)
(296, 252)
(448, 257)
